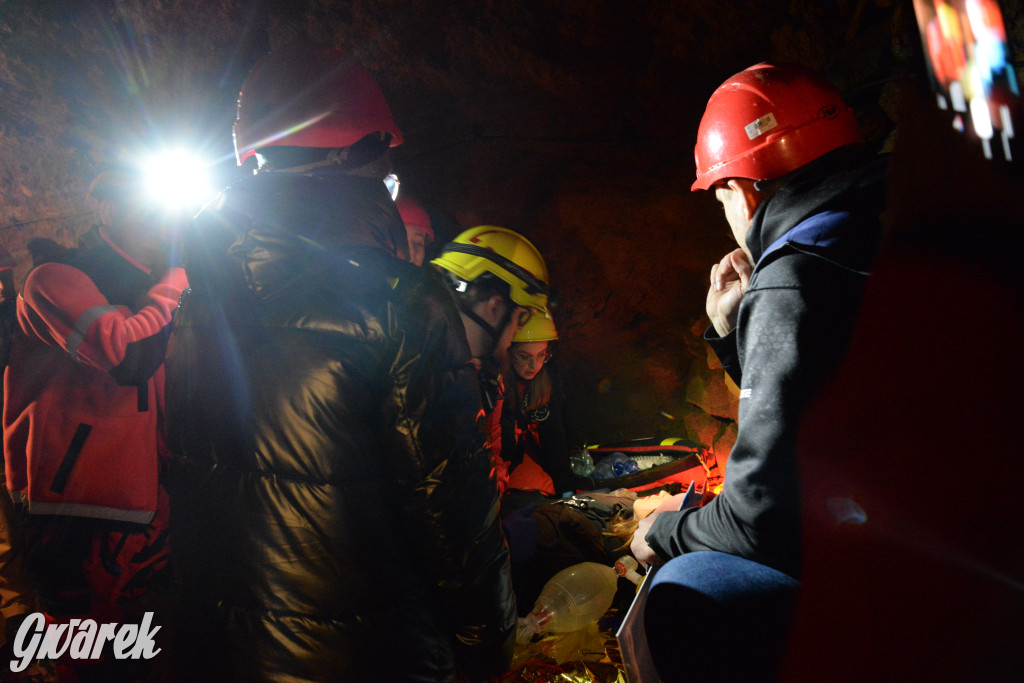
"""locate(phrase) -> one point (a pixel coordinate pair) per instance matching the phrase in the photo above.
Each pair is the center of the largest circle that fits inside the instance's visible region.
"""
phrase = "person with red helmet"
(780, 149)
(331, 499)
(417, 228)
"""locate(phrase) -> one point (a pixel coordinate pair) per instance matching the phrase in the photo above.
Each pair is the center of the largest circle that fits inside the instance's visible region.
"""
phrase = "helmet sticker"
(756, 129)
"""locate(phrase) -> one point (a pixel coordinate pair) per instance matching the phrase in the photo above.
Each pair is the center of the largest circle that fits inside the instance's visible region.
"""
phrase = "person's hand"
(729, 280)
(639, 547)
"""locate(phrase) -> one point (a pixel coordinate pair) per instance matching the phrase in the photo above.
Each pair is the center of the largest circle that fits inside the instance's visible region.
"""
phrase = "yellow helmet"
(537, 329)
(505, 254)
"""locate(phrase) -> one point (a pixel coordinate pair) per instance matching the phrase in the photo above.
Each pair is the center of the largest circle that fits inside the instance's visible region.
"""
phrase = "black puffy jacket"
(333, 516)
(813, 243)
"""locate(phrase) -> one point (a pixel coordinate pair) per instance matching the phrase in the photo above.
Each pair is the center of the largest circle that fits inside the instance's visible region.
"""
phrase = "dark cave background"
(571, 121)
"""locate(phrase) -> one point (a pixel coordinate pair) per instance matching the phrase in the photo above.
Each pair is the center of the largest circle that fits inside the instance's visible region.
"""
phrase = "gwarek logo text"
(81, 639)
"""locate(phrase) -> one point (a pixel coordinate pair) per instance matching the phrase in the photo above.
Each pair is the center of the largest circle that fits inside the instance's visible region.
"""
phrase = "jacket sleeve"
(728, 353)
(62, 307)
(453, 508)
(793, 330)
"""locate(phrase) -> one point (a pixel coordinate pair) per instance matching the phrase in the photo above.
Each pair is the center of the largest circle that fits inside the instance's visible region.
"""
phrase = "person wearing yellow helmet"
(533, 431)
(500, 280)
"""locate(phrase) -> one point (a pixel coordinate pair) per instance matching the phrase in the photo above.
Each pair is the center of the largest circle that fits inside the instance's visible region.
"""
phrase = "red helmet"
(767, 121)
(309, 96)
(414, 215)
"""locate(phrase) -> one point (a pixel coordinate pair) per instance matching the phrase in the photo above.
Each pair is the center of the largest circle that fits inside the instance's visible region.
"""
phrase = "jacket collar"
(834, 184)
(281, 227)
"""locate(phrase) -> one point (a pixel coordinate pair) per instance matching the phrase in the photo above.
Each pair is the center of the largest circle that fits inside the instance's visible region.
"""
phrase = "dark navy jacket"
(813, 243)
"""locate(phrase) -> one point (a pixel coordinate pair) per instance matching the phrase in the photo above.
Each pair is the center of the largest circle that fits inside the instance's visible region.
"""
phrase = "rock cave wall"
(571, 121)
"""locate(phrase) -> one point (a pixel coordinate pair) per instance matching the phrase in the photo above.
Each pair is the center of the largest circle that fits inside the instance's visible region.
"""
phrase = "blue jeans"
(717, 617)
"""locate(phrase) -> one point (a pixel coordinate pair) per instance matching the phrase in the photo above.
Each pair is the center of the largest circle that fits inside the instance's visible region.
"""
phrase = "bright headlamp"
(176, 180)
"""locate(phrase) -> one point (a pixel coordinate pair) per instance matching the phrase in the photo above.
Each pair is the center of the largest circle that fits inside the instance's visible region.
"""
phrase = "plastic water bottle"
(646, 462)
(616, 464)
(622, 465)
(603, 468)
(573, 598)
(581, 463)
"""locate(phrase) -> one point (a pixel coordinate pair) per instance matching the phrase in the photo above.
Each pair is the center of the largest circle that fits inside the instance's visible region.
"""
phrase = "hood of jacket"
(275, 228)
(838, 185)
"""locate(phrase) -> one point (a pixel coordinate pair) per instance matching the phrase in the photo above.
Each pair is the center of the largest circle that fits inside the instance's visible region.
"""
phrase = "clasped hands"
(729, 280)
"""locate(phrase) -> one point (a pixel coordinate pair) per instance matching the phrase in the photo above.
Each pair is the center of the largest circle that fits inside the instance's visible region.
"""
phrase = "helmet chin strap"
(493, 332)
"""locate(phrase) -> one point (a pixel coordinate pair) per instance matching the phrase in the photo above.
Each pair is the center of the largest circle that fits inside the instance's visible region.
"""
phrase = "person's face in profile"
(515, 321)
(419, 239)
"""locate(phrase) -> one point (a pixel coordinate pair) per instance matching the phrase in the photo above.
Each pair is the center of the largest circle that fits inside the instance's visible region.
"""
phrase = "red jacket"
(83, 416)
